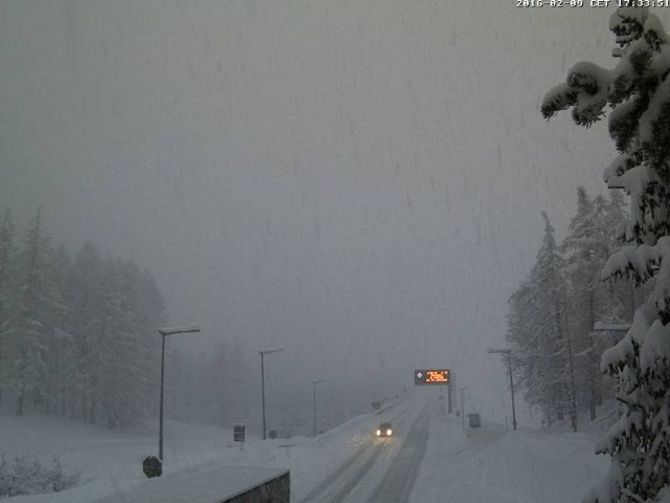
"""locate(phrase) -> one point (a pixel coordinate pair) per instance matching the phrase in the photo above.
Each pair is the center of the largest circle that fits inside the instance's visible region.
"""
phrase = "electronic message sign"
(431, 376)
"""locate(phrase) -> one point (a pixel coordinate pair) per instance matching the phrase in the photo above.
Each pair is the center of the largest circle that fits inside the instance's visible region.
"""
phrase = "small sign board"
(431, 376)
(238, 432)
(474, 420)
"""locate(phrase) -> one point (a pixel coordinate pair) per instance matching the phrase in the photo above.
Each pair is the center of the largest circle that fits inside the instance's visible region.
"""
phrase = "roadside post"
(239, 431)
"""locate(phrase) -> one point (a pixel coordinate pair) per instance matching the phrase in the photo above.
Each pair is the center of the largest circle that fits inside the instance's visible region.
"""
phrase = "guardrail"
(211, 484)
(275, 490)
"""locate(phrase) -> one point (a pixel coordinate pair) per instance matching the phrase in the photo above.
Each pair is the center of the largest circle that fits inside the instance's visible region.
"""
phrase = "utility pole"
(164, 332)
(263, 353)
(449, 397)
(462, 409)
(511, 387)
(314, 383)
(508, 352)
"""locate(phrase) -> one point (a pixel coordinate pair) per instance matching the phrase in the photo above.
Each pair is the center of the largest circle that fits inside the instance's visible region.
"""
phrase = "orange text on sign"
(437, 376)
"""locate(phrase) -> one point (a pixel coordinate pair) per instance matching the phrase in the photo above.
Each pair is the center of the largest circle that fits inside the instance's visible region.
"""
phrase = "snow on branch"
(655, 127)
(586, 90)
(622, 352)
(616, 168)
(559, 98)
(592, 83)
(609, 488)
(623, 122)
(625, 427)
(637, 261)
(656, 347)
(627, 24)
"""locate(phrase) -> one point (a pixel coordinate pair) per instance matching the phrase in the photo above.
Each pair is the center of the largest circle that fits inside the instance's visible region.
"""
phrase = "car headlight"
(389, 431)
(379, 432)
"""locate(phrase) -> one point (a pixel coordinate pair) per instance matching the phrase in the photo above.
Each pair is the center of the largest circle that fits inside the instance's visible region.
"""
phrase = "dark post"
(263, 353)
(449, 397)
(508, 352)
(314, 383)
(156, 467)
(511, 385)
(160, 421)
(263, 390)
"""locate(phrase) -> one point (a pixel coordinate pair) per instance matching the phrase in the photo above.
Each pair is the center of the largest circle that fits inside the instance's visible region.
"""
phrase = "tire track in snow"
(347, 477)
(396, 486)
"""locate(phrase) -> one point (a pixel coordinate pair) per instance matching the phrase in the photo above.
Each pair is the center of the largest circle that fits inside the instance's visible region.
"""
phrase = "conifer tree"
(586, 248)
(87, 323)
(60, 357)
(38, 299)
(537, 333)
(551, 293)
(8, 300)
(637, 90)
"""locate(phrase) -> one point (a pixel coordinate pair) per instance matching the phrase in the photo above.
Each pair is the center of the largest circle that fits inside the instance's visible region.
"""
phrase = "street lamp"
(508, 352)
(462, 408)
(164, 332)
(314, 383)
(263, 353)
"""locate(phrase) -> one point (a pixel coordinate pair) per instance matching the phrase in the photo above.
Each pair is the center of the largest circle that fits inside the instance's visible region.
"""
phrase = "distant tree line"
(77, 333)
(552, 313)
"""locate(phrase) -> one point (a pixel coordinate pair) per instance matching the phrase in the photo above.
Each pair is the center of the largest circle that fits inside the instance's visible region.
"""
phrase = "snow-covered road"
(382, 469)
(434, 459)
(398, 481)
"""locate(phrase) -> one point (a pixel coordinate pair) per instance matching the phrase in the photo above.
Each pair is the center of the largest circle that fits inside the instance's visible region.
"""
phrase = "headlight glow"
(379, 432)
(388, 432)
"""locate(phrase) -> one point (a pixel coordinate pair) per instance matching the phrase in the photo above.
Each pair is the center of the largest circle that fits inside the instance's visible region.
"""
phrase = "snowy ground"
(492, 465)
(110, 462)
(487, 465)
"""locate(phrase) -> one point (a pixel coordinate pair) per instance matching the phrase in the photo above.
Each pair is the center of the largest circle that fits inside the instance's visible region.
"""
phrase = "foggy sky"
(357, 181)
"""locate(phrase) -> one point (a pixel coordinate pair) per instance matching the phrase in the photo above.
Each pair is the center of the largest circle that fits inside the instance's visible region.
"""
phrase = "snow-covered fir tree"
(127, 348)
(60, 363)
(538, 336)
(87, 324)
(77, 337)
(586, 300)
(586, 248)
(637, 90)
(8, 299)
(38, 298)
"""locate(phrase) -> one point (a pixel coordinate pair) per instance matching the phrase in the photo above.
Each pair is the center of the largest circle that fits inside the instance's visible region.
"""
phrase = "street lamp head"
(498, 350)
(189, 329)
(267, 352)
(319, 381)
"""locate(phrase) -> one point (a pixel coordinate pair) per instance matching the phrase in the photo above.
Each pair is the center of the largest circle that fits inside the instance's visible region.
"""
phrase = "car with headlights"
(384, 430)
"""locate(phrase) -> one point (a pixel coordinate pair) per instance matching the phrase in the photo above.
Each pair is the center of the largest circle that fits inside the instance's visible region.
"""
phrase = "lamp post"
(462, 408)
(164, 332)
(314, 383)
(508, 352)
(263, 353)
